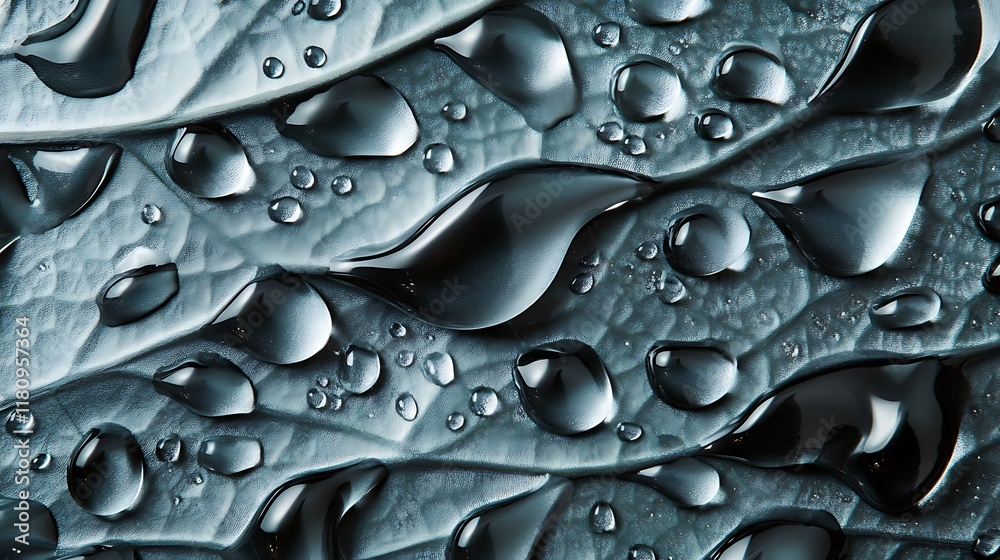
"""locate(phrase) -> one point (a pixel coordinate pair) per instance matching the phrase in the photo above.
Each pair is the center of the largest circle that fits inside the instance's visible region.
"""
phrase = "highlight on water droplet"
(361, 371)
(602, 518)
(314, 56)
(607, 34)
(610, 133)
(302, 177)
(785, 539)
(714, 125)
(406, 407)
(168, 449)
(325, 9)
(439, 368)
(151, 214)
(688, 482)
(909, 308)
(438, 159)
(454, 111)
(148, 282)
(484, 401)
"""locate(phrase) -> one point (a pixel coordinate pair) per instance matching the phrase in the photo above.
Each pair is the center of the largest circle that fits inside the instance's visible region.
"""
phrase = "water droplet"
(688, 482)
(342, 185)
(991, 278)
(459, 264)
(359, 116)
(43, 535)
(280, 320)
(273, 67)
(438, 158)
(323, 381)
(325, 9)
(564, 387)
(208, 385)
(397, 330)
(484, 402)
(456, 421)
(688, 375)
(177, 500)
(405, 358)
(512, 529)
(106, 471)
(628, 431)
(714, 125)
(439, 368)
(93, 51)
(656, 12)
(314, 56)
(285, 210)
(298, 7)
(455, 111)
(633, 146)
(316, 399)
(988, 218)
(642, 552)
(582, 284)
(784, 539)
(647, 251)
(647, 90)
(151, 214)
(752, 74)
(670, 289)
(909, 308)
(41, 462)
(229, 455)
(137, 293)
(406, 407)
(302, 177)
(361, 371)
(610, 133)
(927, 54)
(602, 518)
(517, 53)
(895, 428)
(704, 240)
(197, 479)
(207, 161)
(992, 128)
(850, 222)
(607, 34)
(591, 260)
(168, 449)
(20, 422)
(987, 544)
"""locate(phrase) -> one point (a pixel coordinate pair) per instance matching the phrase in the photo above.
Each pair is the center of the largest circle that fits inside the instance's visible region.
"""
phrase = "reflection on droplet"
(361, 371)
(602, 518)
(230, 455)
(909, 308)
(646, 90)
(484, 401)
(992, 128)
(987, 544)
(784, 539)
(610, 133)
(208, 385)
(991, 278)
(714, 125)
(628, 431)
(41, 462)
(438, 158)
(656, 12)
(342, 185)
(454, 111)
(591, 260)
(106, 471)
(208, 161)
(517, 53)
(752, 74)
(705, 240)
(456, 421)
(439, 368)
(397, 330)
(151, 214)
(633, 145)
(669, 288)
(647, 251)
(41, 537)
(314, 56)
(302, 177)
(688, 482)
(298, 7)
(273, 67)
(688, 375)
(406, 407)
(607, 34)
(168, 449)
(405, 358)
(325, 9)
(137, 293)
(285, 210)
(20, 422)
(582, 283)
(316, 399)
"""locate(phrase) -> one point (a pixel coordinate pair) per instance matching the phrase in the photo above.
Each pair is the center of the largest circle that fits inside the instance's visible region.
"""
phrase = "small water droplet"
(602, 518)
(714, 125)
(628, 431)
(484, 401)
(325, 9)
(670, 289)
(151, 214)
(405, 358)
(314, 56)
(342, 185)
(208, 161)
(633, 146)
(273, 68)
(285, 210)
(229, 455)
(106, 471)
(752, 74)
(361, 371)
(643, 552)
(177, 500)
(439, 368)
(582, 284)
(657, 12)
(610, 133)
(647, 90)
(208, 385)
(705, 240)
(456, 421)
(784, 539)
(688, 482)
(316, 399)
(198, 479)
(909, 308)
(406, 407)
(302, 177)
(591, 260)
(454, 111)
(168, 449)
(323, 381)
(20, 422)
(607, 34)
(688, 375)
(396, 330)
(438, 158)
(41, 462)
(298, 7)
(647, 251)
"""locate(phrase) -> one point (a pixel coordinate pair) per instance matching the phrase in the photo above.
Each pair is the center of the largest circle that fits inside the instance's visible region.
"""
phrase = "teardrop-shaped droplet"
(602, 518)
(752, 74)
(36, 537)
(137, 293)
(280, 320)
(657, 12)
(168, 449)
(106, 471)
(850, 222)
(582, 283)
(784, 539)
(714, 125)
(903, 56)
(438, 158)
(325, 9)
(359, 116)
(406, 407)
(484, 401)
(41, 462)
(439, 368)
(517, 53)
(689, 376)
(607, 34)
(229, 455)
(208, 385)
(888, 428)
(490, 251)
(361, 371)
(705, 240)
(208, 161)
(564, 387)
(909, 308)
(512, 529)
(688, 482)
(91, 53)
(285, 210)
(988, 218)
(646, 90)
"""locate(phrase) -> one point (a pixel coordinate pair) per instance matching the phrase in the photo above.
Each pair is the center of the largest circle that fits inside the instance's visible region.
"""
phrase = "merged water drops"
(106, 471)
(208, 385)
(886, 428)
(145, 281)
(517, 53)
(208, 161)
(484, 401)
(280, 320)
(406, 407)
(646, 90)
(40, 528)
(361, 371)
(602, 518)
(91, 53)
(850, 222)
(752, 74)
(438, 158)
(705, 240)
(359, 116)
(688, 482)
(168, 449)
(285, 210)
(607, 34)
(657, 12)
(564, 387)
(689, 375)
(439, 368)
(784, 539)
(714, 125)
(908, 308)
(230, 455)
(316, 399)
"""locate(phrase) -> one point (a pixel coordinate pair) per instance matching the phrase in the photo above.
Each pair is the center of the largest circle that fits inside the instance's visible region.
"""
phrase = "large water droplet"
(91, 53)
(484, 401)
(512, 529)
(655, 12)
(518, 54)
(137, 293)
(899, 56)
(208, 161)
(784, 539)
(850, 222)
(490, 251)
(406, 407)
(361, 371)
(752, 74)
(42, 532)
(564, 387)
(106, 471)
(280, 320)
(208, 385)
(285, 210)
(646, 90)
(439, 368)
(602, 518)
(705, 240)
(325, 9)
(886, 428)
(688, 375)
(909, 308)
(229, 455)
(688, 482)
(359, 116)
(168, 449)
